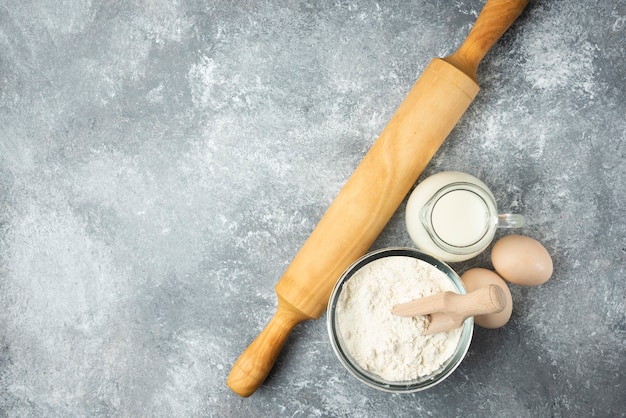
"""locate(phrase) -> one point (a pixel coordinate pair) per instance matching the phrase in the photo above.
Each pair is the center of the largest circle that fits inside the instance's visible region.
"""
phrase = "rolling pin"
(374, 191)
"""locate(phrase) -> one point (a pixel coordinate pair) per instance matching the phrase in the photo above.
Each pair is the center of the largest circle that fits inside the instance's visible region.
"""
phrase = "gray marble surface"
(162, 162)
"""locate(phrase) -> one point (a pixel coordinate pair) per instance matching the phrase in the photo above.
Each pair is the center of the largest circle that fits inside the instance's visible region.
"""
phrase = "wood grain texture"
(257, 360)
(448, 310)
(375, 190)
(496, 17)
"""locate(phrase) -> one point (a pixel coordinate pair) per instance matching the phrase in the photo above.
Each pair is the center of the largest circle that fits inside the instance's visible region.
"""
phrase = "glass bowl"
(372, 379)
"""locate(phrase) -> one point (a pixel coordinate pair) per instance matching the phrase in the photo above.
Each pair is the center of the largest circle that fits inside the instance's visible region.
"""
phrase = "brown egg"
(522, 260)
(475, 279)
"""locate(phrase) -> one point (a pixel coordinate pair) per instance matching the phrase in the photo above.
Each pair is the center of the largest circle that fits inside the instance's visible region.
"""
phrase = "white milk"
(461, 221)
(460, 218)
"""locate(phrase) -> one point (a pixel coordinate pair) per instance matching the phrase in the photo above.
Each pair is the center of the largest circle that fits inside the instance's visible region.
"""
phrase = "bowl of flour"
(385, 351)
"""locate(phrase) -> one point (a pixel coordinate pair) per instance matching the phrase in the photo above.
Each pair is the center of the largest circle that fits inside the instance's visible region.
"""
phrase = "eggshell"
(522, 260)
(475, 279)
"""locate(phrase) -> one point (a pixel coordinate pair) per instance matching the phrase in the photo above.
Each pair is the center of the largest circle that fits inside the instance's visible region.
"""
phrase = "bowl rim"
(371, 379)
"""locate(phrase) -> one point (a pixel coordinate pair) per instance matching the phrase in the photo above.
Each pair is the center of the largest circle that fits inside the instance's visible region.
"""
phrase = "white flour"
(390, 346)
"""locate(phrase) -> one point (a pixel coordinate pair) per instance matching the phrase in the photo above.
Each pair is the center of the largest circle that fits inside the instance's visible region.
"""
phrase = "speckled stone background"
(162, 162)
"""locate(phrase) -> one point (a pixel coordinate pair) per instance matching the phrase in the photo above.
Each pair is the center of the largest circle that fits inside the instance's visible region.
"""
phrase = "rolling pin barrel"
(374, 191)
(378, 185)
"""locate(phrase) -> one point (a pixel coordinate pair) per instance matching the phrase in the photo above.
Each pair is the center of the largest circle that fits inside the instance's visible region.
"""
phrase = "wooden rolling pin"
(375, 190)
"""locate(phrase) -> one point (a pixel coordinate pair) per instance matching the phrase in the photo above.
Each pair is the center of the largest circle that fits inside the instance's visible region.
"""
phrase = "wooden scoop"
(448, 310)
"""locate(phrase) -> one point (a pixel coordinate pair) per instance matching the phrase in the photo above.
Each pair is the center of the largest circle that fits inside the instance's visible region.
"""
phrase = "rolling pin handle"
(255, 363)
(494, 19)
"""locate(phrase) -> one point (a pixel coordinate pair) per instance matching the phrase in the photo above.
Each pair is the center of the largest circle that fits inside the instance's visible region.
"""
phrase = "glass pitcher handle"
(511, 220)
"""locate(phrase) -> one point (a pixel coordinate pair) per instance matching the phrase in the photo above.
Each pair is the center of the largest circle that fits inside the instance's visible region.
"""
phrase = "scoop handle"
(482, 301)
(495, 18)
(457, 308)
(254, 364)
